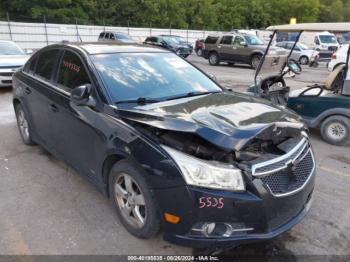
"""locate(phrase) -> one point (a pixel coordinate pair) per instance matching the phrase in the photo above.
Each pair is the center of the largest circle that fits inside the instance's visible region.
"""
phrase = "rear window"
(211, 39)
(46, 64)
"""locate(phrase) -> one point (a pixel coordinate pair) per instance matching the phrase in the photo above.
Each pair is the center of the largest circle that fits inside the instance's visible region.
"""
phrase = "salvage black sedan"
(166, 144)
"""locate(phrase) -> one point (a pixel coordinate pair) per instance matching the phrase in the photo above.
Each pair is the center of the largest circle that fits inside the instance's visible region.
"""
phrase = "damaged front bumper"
(256, 214)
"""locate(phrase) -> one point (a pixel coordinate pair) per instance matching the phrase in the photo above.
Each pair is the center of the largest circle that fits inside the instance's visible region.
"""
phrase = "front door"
(76, 139)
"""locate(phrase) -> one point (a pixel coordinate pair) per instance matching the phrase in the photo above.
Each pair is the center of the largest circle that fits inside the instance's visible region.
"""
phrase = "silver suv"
(234, 48)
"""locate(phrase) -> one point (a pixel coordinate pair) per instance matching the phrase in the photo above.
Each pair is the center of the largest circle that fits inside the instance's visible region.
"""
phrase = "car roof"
(313, 27)
(105, 48)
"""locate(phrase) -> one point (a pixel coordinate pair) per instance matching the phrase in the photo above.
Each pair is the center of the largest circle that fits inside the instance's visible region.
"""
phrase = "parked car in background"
(181, 40)
(301, 53)
(12, 57)
(198, 47)
(168, 146)
(338, 58)
(170, 43)
(118, 37)
(235, 48)
(326, 41)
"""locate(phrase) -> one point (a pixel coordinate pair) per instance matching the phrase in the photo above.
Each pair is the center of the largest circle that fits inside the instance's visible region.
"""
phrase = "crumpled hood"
(227, 120)
(13, 60)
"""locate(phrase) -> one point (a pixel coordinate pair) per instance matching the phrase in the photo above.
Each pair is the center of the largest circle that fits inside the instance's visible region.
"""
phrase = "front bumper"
(256, 209)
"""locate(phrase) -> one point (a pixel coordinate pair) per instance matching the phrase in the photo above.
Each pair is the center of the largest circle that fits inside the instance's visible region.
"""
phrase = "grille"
(281, 162)
(288, 180)
(288, 173)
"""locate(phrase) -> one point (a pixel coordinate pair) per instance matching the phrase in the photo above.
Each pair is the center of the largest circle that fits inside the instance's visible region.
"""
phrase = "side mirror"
(81, 96)
(242, 43)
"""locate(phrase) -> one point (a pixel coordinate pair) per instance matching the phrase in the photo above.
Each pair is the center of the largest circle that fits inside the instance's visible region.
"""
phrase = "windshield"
(253, 40)
(328, 39)
(8, 48)
(346, 36)
(159, 76)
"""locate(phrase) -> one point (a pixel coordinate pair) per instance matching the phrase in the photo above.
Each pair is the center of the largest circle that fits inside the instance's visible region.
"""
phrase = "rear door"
(225, 48)
(75, 137)
(36, 86)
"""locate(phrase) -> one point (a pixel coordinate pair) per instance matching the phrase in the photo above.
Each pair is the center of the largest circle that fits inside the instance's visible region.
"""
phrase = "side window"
(112, 36)
(226, 40)
(46, 64)
(32, 65)
(72, 72)
(317, 42)
(211, 39)
(101, 35)
(107, 36)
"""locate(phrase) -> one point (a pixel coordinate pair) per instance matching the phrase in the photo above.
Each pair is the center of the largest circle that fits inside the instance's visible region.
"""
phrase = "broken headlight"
(208, 174)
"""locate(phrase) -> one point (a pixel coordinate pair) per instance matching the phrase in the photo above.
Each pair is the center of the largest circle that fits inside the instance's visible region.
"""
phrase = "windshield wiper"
(191, 94)
(140, 101)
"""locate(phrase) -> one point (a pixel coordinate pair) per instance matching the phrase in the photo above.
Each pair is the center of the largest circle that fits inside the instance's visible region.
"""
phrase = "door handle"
(53, 108)
(27, 90)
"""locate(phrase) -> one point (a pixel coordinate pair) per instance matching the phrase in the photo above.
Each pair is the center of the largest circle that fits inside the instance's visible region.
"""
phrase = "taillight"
(334, 56)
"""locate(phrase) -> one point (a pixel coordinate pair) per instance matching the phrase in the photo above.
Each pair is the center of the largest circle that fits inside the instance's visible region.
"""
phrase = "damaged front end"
(229, 129)
(248, 167)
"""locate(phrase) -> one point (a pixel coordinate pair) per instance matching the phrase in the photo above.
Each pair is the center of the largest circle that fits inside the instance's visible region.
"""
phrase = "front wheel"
(336, 130)
(132, 199)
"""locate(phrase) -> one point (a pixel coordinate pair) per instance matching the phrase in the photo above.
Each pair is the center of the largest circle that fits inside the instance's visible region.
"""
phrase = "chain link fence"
(33, 33)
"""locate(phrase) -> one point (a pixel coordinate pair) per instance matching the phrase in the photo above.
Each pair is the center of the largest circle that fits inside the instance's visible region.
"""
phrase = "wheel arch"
(331, 112)
(107, 165)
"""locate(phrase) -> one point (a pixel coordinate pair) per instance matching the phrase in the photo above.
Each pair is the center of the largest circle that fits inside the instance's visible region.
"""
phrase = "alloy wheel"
(336, 131)
(23, 124)
(130, 200)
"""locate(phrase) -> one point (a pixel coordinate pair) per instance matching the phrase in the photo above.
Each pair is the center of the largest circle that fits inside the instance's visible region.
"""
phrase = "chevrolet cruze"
(166, 144)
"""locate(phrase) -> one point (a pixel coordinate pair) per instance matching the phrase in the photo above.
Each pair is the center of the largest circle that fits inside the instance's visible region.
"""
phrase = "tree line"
(195, 14)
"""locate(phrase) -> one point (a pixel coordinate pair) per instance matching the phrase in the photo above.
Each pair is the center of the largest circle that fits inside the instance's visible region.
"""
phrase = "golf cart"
(325, 106)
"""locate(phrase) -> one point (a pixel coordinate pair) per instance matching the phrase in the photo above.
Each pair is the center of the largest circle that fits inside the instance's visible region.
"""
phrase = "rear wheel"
(199, 52)
(23, 125)
(304, 60)
(230, 63)
(132, 200)
(336, 130)
(255, 61)
(214, 58)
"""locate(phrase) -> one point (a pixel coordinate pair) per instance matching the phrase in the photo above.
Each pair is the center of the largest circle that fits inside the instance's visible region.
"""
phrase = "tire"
(230, 63)
(123, 197)
(214, 58)
(199, 52)
(24, 126)
(304, 60)
(336, 130)
(255, 61)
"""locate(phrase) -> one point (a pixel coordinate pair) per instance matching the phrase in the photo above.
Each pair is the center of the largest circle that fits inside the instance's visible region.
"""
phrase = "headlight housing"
(207, 174)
